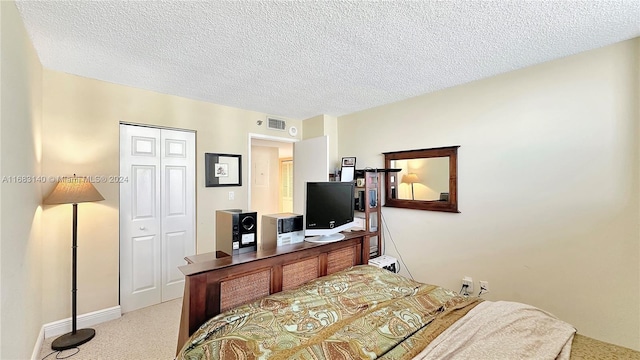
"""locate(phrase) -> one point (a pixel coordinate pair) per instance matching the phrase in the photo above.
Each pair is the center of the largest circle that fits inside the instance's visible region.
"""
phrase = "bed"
(363, 312)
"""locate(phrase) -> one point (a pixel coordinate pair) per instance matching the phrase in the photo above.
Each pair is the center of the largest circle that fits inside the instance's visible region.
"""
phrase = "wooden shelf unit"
(372, 209)
(369, 207)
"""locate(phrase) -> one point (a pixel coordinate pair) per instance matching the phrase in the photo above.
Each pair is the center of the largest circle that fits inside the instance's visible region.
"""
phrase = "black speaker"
(361, 200)
(236, 231)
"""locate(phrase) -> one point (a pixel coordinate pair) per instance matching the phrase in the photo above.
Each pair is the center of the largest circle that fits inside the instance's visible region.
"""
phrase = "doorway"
(270, 175)
(157, 213)
(309, 162)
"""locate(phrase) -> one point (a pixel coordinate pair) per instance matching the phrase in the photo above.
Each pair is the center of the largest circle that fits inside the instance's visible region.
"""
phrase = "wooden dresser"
(213, 285)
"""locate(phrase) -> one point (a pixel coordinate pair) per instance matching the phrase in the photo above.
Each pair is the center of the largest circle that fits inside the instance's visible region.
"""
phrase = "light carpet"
(148, 333)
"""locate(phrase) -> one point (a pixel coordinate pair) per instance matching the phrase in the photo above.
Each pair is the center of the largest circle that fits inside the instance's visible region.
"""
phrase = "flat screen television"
(329, 209)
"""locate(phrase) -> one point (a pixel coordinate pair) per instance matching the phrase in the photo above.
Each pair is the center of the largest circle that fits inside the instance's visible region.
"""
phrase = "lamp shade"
(410, 178)
(73, 190)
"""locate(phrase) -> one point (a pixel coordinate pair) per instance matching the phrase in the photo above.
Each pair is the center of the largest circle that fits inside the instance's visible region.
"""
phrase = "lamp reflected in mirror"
(411, 179)
(435, 172)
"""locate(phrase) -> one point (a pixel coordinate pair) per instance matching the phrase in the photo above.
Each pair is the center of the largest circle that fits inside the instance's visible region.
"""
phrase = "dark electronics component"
(360, 200)
(359, 203)
(329, 209)
(236, 232)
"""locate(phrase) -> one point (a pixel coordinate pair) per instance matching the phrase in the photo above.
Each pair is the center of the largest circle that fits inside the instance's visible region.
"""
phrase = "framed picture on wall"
(222, 169)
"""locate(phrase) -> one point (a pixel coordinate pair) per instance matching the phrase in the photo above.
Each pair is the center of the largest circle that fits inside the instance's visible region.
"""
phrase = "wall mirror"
(427, 179)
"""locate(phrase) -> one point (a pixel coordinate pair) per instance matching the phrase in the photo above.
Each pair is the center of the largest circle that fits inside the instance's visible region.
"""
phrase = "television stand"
(325, 238)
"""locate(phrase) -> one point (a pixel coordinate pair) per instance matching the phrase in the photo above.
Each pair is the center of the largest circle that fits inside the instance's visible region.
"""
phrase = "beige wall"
(322, 125)
(80, 135)
(21, 255)
(548, 186)
(313, 127)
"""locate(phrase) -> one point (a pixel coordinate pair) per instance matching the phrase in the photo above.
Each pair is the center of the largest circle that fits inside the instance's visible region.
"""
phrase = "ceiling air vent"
(276, 124)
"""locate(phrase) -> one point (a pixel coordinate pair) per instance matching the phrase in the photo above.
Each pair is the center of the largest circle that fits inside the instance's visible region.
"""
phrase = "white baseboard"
(64, 326)
(36, 349)
(85, 320)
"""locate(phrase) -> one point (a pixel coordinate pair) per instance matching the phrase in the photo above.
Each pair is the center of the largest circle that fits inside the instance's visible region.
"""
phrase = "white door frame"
(262, 137)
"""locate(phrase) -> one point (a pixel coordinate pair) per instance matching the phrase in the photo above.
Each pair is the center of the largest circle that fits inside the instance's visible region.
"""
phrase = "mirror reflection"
(423, 179)
(426, 179)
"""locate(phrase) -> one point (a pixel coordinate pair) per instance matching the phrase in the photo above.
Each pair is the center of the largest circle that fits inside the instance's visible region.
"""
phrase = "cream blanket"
(503, 330)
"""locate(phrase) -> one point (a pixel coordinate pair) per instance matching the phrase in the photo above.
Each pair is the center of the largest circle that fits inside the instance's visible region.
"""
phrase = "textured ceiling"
(299, 59)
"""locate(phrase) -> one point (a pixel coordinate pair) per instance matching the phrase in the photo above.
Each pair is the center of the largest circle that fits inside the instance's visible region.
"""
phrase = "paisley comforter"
(368, 313)
(360, 313)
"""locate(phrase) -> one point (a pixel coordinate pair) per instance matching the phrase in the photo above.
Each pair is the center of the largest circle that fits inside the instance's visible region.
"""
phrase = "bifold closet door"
(177, 186)
(157, 213)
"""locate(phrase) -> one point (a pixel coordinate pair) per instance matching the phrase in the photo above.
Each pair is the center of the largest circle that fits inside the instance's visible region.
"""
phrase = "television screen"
(329, 209)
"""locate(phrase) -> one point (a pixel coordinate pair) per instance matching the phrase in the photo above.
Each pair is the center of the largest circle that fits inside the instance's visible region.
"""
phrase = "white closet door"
(140, 217)
(157, 213)
(178, 208)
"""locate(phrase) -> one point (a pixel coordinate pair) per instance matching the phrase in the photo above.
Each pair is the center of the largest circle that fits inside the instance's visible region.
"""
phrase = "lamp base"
(71, 340)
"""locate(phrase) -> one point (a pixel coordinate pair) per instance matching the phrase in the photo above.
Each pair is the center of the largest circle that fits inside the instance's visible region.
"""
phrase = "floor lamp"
(73, 190)
(410, 178)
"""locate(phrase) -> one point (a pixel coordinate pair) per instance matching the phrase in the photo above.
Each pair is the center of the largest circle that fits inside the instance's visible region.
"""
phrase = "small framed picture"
(222, 169)
(348, 161)
(348, 170)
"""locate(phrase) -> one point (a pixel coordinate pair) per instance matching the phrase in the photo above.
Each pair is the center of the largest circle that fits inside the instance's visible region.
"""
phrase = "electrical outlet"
(468, 281)
(484, 286)
(232, 195)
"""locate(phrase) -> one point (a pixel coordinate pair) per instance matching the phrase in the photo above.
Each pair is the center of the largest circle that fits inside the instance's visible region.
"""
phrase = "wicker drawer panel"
(244, 289)
(340, 259)
(298, 273)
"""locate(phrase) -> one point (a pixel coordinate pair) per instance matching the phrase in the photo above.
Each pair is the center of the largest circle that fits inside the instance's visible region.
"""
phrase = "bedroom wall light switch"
(232, 195)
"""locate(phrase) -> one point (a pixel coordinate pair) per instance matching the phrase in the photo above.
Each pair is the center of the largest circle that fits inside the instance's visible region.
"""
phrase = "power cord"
(58, 352)
(384, 222)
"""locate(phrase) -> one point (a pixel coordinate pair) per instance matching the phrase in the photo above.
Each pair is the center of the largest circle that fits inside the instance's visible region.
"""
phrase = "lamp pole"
(73, 191)
(74, 275)
(75, 337)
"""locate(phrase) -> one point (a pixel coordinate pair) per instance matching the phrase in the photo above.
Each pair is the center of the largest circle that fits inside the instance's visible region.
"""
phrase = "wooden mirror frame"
(448, 206)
